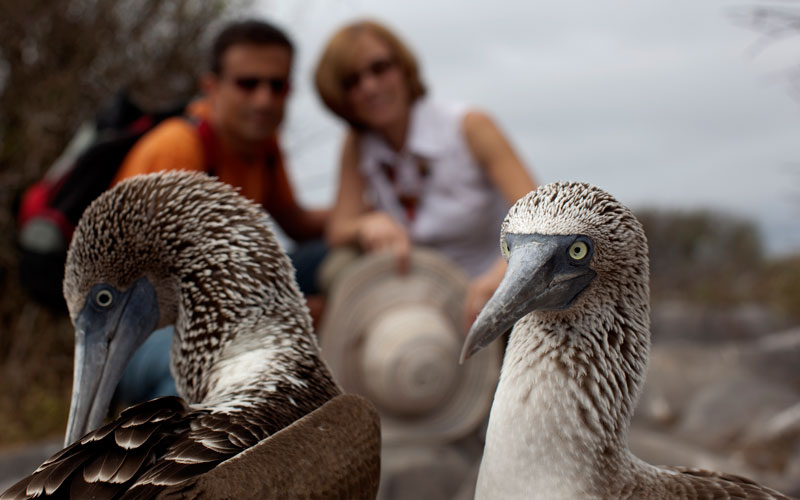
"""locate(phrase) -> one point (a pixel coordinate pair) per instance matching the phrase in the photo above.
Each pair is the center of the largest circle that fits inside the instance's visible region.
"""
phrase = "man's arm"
(300, 224)
(303, 224)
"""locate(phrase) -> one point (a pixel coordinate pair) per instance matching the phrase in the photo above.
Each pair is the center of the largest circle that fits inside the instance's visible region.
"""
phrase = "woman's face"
(376, 89)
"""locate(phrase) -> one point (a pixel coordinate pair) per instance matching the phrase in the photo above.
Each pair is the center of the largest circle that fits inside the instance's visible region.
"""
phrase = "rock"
(775, 445)
(665, 449)
(677, 321)
(431, 472)
(720, 415)
(676, 372)
(735, 402)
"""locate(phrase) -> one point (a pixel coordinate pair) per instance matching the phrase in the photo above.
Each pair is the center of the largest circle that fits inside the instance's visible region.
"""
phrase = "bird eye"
(504, 248)
(103, 298)
(578, 250)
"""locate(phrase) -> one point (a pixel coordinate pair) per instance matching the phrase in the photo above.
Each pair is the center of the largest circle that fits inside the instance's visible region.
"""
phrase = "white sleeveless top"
(458, 209)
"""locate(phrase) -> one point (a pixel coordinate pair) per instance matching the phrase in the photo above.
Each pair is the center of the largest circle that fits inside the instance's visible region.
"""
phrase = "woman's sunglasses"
(278, 86)
(376, 68)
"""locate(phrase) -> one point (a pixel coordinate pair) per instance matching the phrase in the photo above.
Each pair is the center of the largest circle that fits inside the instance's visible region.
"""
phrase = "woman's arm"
(495, 154)
(349, 207)
(352, 222)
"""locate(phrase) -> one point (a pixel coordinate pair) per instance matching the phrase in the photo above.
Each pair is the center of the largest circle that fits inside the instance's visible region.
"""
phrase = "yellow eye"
(504, 248)
(579, 250)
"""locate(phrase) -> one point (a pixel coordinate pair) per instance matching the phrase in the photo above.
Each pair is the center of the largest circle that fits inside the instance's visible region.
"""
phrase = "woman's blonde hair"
(333, 66)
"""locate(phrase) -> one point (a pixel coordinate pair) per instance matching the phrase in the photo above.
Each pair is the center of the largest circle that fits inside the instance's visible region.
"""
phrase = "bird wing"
(333, 452)
(164, 445)
(107, 460)
(709, 484)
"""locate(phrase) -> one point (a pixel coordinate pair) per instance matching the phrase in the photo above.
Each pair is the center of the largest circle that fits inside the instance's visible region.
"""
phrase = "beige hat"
(396, 339)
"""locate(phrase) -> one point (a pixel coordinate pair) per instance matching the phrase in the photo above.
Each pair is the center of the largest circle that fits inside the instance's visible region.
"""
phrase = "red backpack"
(50, 209)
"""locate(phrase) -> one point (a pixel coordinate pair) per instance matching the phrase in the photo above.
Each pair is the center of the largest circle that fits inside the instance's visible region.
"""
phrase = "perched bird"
(576, 292)
(261, 416)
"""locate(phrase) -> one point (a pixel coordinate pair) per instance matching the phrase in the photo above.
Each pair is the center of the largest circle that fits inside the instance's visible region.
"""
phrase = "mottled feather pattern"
(602, 341)
(244, 355)
(571, 378)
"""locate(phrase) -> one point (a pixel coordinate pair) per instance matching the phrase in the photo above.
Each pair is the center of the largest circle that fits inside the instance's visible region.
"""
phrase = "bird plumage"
(183, 249)
(577, 294)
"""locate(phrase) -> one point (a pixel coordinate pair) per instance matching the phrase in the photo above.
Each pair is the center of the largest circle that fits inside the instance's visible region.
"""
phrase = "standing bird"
(576, 292)
(261, 416)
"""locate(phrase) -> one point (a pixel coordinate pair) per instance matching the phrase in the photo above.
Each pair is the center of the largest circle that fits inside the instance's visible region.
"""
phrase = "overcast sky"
(662, 103)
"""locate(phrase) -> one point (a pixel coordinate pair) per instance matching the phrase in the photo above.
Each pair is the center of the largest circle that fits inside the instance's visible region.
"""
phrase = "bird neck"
(288, 364)
(241, 323)
(563, 405)
(255, 350)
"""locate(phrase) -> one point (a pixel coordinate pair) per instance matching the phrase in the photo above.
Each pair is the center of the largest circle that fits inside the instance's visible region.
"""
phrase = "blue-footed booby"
(576, 292)
(260, 414)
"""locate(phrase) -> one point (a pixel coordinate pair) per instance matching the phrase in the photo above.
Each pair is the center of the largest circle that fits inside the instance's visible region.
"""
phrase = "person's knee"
(306, 259)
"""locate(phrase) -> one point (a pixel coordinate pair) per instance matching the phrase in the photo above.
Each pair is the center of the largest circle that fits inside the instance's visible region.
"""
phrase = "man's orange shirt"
(175, 144)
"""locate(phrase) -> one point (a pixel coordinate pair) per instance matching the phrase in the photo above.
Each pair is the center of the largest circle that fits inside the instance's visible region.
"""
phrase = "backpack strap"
(211, 147)
(207, 140)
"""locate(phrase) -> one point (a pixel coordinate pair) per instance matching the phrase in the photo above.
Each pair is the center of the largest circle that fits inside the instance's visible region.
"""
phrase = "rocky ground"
(723, 393)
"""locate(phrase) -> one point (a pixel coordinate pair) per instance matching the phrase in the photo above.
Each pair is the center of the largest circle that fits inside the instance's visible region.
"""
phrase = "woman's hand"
(481, 289)
(352, 221)
(378, 231)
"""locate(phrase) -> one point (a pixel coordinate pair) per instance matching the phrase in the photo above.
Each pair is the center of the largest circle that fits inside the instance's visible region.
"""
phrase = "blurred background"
(688, 112)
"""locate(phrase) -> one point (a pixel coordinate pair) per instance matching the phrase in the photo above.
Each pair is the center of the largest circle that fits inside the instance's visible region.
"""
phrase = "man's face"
(248, 96)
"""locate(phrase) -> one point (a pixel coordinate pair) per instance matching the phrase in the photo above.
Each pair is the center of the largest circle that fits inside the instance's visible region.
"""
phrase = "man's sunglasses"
(278, 86)
(376, 68)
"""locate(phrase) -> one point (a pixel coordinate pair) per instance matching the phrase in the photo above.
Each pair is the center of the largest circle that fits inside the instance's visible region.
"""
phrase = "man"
(235, 136)
(232, 134)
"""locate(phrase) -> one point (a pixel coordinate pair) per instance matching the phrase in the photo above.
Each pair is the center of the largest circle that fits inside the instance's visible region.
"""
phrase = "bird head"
(572, 250)
(158, 250)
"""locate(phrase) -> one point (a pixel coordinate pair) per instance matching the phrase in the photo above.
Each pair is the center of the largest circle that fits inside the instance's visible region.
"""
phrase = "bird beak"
(105, 340)
(539, 277)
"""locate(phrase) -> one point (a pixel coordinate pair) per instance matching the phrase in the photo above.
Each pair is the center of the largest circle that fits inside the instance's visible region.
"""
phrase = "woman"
(437, 175)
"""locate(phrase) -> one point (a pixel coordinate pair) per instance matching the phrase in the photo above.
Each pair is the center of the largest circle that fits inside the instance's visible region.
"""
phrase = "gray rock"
(665, 449)
(735, 402)
(427, 472)
(677, 321)
(720, 415)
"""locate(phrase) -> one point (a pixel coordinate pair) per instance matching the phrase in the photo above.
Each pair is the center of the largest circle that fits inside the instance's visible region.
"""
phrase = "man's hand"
(378, 231)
